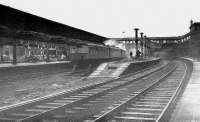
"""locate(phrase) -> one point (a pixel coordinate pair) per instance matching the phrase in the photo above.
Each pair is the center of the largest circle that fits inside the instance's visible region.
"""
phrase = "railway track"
(150, 104)
(88, 103)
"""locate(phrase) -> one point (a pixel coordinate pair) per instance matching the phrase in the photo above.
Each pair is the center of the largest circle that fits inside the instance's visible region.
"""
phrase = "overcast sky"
(110, 18)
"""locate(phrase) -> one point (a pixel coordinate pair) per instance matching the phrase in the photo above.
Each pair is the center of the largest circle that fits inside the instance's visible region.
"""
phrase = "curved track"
(151, 103)
(89, 103)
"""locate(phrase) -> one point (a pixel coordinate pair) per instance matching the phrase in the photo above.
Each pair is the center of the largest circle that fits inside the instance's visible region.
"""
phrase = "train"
(97, 52)
(40, 51)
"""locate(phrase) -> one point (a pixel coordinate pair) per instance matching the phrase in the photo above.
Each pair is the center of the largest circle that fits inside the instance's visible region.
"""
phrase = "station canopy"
(21, 25)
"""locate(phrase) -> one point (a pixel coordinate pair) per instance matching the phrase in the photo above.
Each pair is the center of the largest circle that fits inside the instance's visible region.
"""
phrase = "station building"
(195, 40)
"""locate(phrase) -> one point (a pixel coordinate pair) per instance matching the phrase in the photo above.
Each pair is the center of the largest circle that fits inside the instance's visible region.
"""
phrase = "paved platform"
(188, 106)
(31, 64)
(56, 62)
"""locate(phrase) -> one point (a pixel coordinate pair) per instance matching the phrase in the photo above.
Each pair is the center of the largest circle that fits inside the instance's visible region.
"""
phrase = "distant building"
(194, 43)
(184, 45)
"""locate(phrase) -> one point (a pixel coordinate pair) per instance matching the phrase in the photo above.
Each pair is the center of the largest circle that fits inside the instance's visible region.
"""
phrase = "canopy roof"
(23, 25)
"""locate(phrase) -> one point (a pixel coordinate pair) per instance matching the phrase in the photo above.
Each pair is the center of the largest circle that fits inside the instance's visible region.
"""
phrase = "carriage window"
(7, 51)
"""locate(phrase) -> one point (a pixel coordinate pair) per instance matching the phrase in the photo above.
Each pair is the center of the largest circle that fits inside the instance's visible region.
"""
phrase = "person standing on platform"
(131, 55)
(138, 53)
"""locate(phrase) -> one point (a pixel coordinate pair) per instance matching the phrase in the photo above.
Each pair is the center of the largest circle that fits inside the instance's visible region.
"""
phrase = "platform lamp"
(123, 34)
(123, 40)
(136, 39)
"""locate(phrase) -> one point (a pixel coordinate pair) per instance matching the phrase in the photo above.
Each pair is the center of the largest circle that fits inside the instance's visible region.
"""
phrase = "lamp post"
(124, 40)
(141, 43)
(145, 46)
(136, 40)
(148, 46)
(123, 34)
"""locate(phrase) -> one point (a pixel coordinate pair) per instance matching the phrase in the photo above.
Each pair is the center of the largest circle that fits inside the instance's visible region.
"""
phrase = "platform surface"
(188, 106)
(30, 64)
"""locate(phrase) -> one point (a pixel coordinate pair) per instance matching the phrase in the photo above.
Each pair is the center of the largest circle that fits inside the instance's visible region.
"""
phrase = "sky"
(109, 18)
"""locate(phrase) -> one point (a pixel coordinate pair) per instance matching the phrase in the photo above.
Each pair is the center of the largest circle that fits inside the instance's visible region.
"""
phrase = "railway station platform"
(188, 106)
(30, 64)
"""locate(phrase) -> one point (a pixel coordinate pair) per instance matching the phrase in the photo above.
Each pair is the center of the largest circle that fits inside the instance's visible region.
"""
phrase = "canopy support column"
(14, 61)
